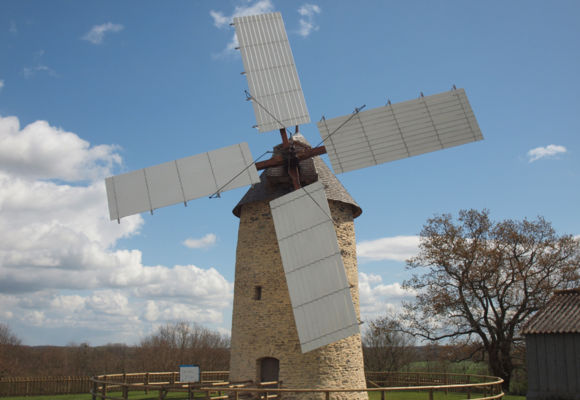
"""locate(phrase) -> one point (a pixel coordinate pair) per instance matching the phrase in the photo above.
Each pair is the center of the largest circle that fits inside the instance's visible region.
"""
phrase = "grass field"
(372, 396)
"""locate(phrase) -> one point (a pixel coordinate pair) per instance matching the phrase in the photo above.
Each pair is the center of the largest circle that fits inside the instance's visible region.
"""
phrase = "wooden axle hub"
(291, 158)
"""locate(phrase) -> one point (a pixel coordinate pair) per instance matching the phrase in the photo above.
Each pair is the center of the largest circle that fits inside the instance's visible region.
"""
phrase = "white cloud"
(179, 312)
(30, 72)
(551, 150)
(259, 7)
(223, 21)
(307, 24)
(108, 302)
(219, 19)
(39, 67)
(59, 267)
(13, 29)
(398, 248)
(41, 151)
(97, 33)
(1, 84)
(376, 297)
(68, 303)
(34, 318)
(189, 283)
(206, 241)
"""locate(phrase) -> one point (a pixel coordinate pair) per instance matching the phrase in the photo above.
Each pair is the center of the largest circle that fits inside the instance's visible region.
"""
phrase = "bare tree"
(10, 350)
(386, 347)
(184, 343)
(479, 280)
(7, 336)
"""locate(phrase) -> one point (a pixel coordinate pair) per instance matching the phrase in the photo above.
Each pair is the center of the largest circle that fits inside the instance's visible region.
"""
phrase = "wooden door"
(269, 369)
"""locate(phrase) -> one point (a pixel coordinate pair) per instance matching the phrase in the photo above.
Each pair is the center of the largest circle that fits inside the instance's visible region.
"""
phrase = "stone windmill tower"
(265, 342)
(296, 314)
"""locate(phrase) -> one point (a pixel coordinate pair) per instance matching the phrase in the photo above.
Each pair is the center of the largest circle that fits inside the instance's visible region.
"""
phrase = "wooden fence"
(426, 384)
(53, 385)
(44, 385)
(216, 382)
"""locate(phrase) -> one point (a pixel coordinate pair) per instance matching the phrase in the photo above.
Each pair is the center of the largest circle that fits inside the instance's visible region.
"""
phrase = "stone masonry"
(265, 327)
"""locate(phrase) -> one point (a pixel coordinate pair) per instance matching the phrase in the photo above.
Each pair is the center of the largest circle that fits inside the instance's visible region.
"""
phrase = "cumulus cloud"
(223, 21)
(206, 241)
(41, 151)
(549, 151)
(307, 23)
(97, 33)
(376, 297)
(59, 266)
(397, 248)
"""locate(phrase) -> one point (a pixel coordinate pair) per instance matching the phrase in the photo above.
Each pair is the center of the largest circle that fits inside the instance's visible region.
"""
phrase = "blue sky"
(90, 89)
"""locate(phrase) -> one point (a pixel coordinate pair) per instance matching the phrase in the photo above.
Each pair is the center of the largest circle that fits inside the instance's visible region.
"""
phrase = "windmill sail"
(317, 283)
(400, 130)
(180, 180)
(269, 67)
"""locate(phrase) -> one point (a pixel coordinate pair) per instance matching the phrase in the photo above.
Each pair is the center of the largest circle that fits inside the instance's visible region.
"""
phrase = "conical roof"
(269, 189)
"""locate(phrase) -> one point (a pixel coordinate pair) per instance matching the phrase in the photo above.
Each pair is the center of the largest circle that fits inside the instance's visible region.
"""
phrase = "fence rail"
(215, 386)
(54, 385)
(471, 386)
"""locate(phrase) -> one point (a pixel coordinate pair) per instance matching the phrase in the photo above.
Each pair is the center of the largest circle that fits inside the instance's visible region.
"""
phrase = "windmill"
(300, 209)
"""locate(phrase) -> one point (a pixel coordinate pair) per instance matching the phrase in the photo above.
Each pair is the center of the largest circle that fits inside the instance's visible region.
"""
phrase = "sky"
(92, 89)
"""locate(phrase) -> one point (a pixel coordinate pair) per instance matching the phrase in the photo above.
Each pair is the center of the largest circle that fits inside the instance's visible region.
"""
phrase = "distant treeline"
(384, 348)
(165, 350)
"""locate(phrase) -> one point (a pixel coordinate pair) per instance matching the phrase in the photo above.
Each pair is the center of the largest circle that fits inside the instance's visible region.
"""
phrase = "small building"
(553, 348)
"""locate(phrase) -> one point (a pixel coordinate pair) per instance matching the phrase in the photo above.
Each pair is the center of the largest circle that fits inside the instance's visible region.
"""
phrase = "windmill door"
(269, 370)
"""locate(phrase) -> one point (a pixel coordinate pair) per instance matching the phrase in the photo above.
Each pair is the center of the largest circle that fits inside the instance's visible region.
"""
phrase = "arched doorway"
(269, 369)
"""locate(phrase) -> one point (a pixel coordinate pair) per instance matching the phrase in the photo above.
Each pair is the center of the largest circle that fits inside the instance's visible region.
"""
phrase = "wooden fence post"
(104, 388)
(430, 394)
(146, 382)
(95, 389)
(469, 387)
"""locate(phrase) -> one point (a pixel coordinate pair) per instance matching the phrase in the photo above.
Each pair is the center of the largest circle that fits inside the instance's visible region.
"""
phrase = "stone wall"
(266, 328)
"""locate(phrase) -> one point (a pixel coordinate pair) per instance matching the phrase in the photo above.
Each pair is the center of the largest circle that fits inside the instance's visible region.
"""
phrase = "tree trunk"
(501, 366)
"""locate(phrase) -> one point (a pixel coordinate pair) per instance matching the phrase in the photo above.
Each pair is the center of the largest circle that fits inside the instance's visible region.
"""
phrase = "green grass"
(460, 367)
(372, 396)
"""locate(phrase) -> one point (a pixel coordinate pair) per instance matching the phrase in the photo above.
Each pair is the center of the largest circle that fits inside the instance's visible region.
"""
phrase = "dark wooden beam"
(317, 151)
(279, 160)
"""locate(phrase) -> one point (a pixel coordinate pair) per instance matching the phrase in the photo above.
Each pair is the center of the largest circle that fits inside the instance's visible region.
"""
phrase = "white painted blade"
(400, 130)
(180, 180)
(315, 275)
(271, 72)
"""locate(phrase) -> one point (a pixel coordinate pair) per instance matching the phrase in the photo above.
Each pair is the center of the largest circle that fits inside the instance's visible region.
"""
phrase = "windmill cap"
(268, 191)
